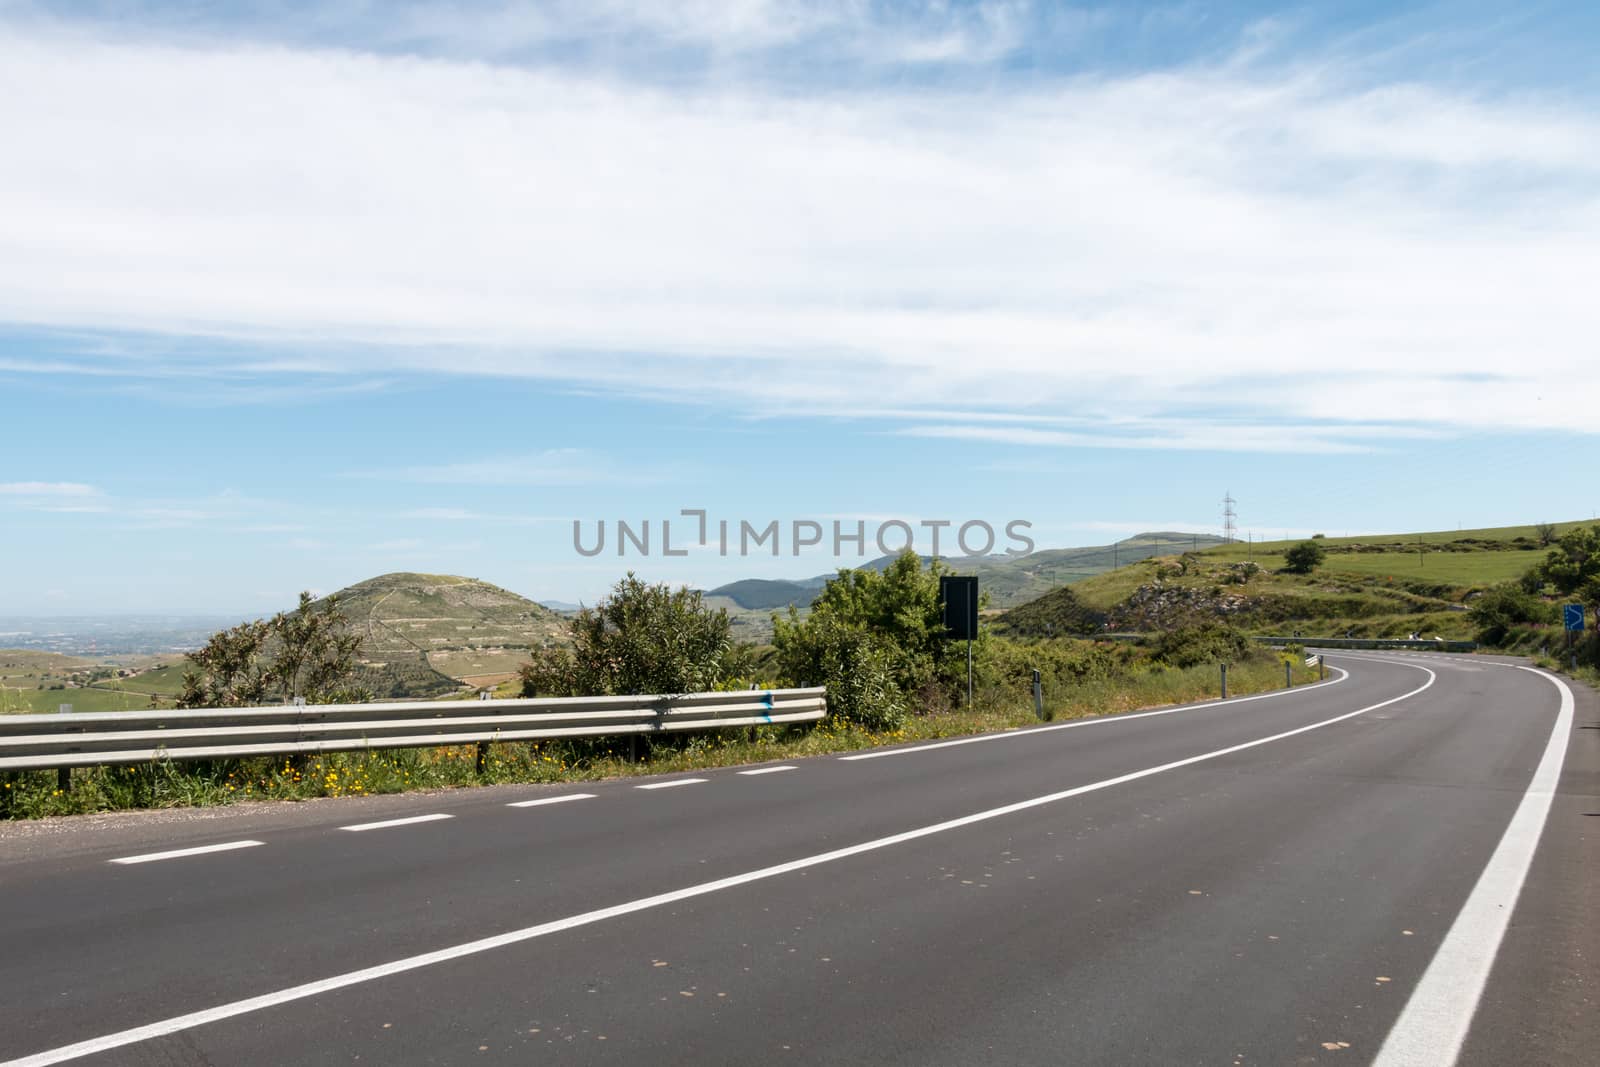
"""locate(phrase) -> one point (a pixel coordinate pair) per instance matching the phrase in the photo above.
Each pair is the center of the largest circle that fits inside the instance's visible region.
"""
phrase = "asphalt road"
(1389, 867)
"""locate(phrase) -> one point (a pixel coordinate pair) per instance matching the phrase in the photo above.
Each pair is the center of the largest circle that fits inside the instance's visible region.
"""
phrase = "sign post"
(958, 596)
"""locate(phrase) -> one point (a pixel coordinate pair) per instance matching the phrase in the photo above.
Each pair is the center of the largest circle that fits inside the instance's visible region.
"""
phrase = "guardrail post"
(64, 774)
(1038, 695)
(1322, 667)
(1224, 681)
(1288, 678)
(483, 757)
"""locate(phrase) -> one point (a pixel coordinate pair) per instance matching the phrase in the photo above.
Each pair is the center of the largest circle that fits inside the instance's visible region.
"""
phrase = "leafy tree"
(1499, 609)
(309, 652)
(864, 614)
(856, 666)
(1573, 565)
(641, 638)
(1304, 558)
(1545, 532)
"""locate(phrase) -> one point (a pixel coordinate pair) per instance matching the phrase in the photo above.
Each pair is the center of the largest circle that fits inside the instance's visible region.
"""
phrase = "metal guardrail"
(35, 742)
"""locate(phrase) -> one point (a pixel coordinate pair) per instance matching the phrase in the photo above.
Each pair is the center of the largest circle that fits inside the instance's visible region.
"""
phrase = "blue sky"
(295, 294)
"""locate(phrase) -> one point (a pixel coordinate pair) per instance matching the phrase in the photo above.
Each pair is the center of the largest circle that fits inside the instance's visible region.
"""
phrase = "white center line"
(671, 784)
(151, 857)
(233, 1009)
(769, 770)
(359, 827)
(550, 800)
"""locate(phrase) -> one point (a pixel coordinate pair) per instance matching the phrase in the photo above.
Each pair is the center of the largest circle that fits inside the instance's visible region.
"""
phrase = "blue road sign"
(1573, 613)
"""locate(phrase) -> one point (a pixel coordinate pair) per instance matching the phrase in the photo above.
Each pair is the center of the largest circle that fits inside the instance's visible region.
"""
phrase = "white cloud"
(1198, 435)
(1212, 248)
(48, 489)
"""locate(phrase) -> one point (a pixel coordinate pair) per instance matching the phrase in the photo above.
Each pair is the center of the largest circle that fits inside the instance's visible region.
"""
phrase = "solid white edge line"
(1098, 721)
(191, 1020)
(387, 823)
(669, 785)
(151, 857)
(550, 800)
(769, 770)
(1436, 1019)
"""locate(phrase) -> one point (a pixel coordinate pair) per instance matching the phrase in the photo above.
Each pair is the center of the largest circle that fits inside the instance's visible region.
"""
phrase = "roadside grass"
(380, 771)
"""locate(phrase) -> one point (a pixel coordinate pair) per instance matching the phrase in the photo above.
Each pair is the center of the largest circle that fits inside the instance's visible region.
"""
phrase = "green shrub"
(856, 665)
(1207, 642)
(1496, 612)
(640, 639)
(1304, 558)
(899, 608)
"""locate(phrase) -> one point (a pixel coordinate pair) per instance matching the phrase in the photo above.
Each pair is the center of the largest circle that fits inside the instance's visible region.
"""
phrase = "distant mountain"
(563, 606)
(766, 594)
(1008, 580)
(428, 633)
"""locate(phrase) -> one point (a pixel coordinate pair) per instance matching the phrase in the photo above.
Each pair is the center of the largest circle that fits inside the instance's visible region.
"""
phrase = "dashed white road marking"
(178, 853)
(769, 770)
(233, 1009)
(550, 800)
(669, 785)
(387, 823)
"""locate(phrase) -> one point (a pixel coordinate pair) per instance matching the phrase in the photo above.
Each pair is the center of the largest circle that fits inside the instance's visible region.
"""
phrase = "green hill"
(427, 634)
(1371, 586)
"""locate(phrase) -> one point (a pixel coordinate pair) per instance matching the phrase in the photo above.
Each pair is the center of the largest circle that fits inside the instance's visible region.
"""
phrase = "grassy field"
(1476, 558)
(1472, 569)
(165, 680)
(86, 699)
(43, 681)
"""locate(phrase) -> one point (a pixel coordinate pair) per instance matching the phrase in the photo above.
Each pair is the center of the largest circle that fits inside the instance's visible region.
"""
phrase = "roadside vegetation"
(1525, 615)
(874, 638)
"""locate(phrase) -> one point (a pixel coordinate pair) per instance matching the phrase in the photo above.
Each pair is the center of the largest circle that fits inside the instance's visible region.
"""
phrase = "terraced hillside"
(419, 628)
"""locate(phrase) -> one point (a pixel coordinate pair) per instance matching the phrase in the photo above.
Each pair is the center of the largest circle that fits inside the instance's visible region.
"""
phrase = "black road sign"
(959, 597)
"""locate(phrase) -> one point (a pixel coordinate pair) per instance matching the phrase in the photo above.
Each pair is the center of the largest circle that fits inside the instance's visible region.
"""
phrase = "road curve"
(1266, 880)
